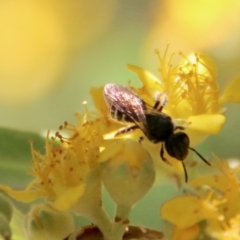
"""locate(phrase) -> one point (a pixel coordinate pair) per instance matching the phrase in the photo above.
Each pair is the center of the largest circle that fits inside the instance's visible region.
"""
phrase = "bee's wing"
(123, 99)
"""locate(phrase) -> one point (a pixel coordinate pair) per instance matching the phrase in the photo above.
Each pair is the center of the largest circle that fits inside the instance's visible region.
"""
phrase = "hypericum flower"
(193, 99)
(192, 90)
(186, 219)
(220, 210)
(68, 170)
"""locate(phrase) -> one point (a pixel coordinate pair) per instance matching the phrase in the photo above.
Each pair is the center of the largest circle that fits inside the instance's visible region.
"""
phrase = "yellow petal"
(24, 195)
(215, 181)
(185, 234)
(148, 79)
(98, 99)
(208, 123)
(112, 148)
(231, 92)
(69, 197)
(207, 63)
(186, 211)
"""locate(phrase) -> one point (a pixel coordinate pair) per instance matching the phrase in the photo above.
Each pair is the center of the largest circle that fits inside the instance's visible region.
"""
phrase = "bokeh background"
(53, 51)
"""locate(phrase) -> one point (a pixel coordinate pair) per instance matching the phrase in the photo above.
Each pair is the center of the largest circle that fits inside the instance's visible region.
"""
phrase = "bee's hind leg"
(179, 128)
(125, 130)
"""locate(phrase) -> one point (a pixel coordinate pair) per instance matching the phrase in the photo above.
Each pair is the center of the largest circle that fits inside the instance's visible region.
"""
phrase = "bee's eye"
(177, 145)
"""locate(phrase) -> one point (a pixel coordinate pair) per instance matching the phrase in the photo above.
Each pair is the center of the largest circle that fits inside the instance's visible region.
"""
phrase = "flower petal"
(184, 217)
(98, 99)
(112, 148)
(215, 181)
(185, 234)
(231, 92)
(148, 79)
(69, 197)
(24, 195)
(208, 123)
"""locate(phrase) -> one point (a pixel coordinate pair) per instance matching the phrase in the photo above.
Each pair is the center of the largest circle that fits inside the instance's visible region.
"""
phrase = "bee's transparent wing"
(124, 100)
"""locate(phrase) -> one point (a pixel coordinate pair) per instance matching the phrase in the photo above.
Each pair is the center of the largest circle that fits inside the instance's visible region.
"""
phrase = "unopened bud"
(44, 222)
(127, 171)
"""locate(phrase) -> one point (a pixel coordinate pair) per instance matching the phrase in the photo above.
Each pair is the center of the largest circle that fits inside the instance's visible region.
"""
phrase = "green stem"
(102, 221)
(121, 221)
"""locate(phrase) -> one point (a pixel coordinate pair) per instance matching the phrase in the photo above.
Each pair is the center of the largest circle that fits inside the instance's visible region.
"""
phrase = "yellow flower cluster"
(215, 201)
(61, 173)
(72, 171)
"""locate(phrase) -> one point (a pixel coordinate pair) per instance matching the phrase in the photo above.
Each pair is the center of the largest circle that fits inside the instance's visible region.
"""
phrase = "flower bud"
(127, 171)
(44, 222)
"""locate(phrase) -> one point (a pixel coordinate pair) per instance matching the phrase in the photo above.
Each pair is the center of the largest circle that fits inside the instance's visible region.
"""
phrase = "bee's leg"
(158, 102)
(126, 130)
(180, 124)
(185, 172)
(162, 155)
(179, 128)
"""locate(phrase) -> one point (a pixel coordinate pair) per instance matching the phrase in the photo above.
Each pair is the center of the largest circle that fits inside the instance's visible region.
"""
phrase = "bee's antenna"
(185, 172)
(208, 163)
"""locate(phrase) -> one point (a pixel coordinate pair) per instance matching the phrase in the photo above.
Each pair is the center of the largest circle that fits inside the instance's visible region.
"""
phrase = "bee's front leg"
(162, 156)
(159, 104)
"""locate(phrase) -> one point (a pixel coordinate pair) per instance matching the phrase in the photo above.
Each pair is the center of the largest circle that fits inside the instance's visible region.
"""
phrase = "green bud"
(127, 171)
(44, 222)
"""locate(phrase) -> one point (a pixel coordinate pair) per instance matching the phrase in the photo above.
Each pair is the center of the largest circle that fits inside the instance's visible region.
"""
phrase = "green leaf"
(15, 156)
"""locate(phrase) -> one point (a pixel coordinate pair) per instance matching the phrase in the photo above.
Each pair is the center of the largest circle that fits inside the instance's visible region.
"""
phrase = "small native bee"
(126, 106)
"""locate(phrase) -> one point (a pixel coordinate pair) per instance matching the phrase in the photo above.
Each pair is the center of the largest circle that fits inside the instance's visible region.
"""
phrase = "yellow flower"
(227, 182)
(68, 169)
(197, 209)
(193, 99)
(192, 91)
(228, 230)
(220, 209)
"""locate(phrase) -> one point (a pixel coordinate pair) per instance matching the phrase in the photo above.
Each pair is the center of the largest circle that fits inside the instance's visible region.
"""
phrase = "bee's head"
(177, 145)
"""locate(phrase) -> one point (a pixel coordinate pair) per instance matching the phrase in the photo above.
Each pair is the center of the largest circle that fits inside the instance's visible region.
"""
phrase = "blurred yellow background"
(53, 51)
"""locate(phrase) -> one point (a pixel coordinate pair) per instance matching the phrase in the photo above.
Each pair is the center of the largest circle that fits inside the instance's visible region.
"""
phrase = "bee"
(126, 106)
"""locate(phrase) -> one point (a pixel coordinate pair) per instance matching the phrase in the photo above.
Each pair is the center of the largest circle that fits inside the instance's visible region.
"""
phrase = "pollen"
(69, 158)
